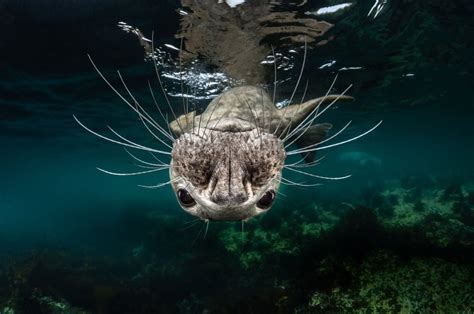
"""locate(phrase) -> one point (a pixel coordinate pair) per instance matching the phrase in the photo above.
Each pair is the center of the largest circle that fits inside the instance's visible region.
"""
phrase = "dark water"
(396, 236)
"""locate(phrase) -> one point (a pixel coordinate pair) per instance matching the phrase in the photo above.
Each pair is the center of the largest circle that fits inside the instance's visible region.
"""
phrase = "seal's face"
(226, 175)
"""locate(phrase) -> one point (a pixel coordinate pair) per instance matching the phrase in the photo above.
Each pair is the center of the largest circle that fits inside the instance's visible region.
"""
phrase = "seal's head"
(226, 175)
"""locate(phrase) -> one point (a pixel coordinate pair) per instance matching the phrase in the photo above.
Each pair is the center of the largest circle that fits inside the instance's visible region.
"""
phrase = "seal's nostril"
(239, 198)
(218, 198)
(228, 199)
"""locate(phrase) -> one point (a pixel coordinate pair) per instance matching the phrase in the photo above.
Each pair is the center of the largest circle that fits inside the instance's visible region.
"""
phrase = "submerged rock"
(385, 282)
(439, 216)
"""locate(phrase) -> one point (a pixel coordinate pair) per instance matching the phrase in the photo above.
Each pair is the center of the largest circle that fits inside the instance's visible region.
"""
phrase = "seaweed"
(380, 285)
(419, 206)
(453, 192)
(465, 212)
(322, 257)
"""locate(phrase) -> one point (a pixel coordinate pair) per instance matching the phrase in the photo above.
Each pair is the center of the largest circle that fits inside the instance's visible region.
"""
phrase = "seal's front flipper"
(315, 134)
(295, 114)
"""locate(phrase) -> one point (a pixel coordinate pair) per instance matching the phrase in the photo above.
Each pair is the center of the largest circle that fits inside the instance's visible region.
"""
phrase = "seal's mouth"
(229, 214)
(224, 210)
(198, 203)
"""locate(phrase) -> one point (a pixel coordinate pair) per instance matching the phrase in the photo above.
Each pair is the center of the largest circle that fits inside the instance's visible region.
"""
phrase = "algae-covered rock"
(443, 216)
(7, 310)
(384, 282)
(286, 236)
(254, 247)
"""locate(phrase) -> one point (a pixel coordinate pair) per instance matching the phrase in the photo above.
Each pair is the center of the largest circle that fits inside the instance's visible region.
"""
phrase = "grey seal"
(226, 163)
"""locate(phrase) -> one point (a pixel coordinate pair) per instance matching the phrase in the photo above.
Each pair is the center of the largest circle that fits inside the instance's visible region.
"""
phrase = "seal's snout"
(229, 199)
(228, 175)
(229, 189)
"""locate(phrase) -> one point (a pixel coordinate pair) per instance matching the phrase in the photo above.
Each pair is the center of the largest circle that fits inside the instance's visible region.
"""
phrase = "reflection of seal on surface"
(234, 38)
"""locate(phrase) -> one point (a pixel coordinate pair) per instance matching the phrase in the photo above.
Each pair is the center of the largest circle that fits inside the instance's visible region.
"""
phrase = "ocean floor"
(405, 247)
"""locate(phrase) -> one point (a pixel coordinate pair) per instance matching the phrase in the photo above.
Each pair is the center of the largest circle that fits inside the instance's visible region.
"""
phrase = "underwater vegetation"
(404, 247)
(398, 236)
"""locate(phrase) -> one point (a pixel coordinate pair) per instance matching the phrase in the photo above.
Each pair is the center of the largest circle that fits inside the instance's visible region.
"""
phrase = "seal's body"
(227, 162)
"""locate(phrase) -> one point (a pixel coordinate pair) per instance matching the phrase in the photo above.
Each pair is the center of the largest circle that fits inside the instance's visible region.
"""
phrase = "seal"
(226, 163)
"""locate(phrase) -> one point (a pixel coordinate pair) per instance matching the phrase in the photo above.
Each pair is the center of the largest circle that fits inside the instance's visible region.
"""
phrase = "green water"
(398, 236)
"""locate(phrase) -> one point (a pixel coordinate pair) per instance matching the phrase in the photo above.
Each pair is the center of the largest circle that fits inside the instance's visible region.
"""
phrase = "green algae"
(441, 215)
(386, 283)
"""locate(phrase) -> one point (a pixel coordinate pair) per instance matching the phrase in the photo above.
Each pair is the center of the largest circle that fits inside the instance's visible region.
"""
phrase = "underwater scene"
(236, 156)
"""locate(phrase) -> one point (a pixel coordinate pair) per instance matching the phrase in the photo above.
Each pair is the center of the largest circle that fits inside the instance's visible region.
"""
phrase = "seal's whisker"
(144, 166)
(304, 92)
(161, 83)
(217, 123)
(311, 164)
(157, 159)
(131, 173)
(127, 140)
(318, 114)
(286, 181)
(303, 127)
(325, 140)
(190, 224)
(158, 185)
(254, 116)
(318, 176)
(207, 221)
(258, 127)
(194, 115)
(300, 164)
(270, 118)
(152, 122)
(143, 161)
(165, 119)
(301, 71)
(191, 221)
(274, 75)
(288, 127)
(263, 111)
(200, 231)
(296, 86)
(327, 93)
(136, 146)
(185, 109)
(302, 159)
(281, 194)
(153, 134)
(314, 111)
(299, 151)
(209, 119)
(139, 107)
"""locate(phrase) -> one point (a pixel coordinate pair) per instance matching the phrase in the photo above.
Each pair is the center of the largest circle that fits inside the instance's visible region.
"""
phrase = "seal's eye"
(185, 198)
(267, 200)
